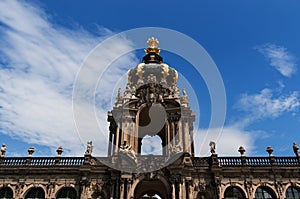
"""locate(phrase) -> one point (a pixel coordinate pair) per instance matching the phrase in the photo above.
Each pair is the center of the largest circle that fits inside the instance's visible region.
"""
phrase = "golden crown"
(152, 42)
(153, 45)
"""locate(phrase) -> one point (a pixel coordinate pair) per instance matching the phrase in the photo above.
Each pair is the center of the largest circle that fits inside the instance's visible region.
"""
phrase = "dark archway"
(292, 192)
(66, 193)
(263, 192)
(151, 188)
(35, 193)
(152, 128)
(234, 192)
(203, 195)
(6, 193)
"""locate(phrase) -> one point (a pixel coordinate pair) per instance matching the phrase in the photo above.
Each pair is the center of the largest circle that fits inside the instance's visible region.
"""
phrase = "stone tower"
(151, 105)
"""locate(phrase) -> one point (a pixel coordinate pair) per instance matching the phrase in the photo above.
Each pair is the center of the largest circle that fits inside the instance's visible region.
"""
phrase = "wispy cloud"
(280, 58)
(228, 140)
(269, 104)
(266, 104)
(39, 62)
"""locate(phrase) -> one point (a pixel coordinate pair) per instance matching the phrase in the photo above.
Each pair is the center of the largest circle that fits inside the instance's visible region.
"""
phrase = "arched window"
(146, 196)
(234, 192)
(202, 195)
(66, 193)
(292, 193)
(264, 192)
(35, 193)
(6, 193)
(155, 189)
(151, 145)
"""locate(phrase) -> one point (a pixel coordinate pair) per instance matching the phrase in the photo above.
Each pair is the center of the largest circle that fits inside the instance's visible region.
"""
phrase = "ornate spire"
(152, 46)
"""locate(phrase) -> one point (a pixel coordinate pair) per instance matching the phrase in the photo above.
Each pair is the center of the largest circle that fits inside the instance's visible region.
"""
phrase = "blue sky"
(254, 44)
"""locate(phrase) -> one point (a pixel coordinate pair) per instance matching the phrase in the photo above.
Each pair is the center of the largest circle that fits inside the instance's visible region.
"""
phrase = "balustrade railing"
(258, 161)
(197, 161)
(42, 161)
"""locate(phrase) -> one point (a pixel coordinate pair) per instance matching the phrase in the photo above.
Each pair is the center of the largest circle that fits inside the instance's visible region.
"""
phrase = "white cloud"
(151, 145)
(228, 140)
(268, 104)
(39, 65)
(279, 58)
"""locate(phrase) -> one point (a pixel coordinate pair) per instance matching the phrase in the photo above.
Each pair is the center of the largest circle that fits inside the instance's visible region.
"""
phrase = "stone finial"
(184, 92)
(184, 99)
(242, 151)
(30, 151)
(270, 151)
(212, 147)
(128, 92)
(119, 98)
(59, 151)
(3, 150)
(296, 149)
(89, 148)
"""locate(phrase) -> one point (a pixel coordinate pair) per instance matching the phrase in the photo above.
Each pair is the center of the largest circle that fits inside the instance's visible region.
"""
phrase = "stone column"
(109, 144)
(192, 143)
(132, 135)
(189, 187)
(168, 134)
(183, 190)
(186, 137)
(173, 133)
(122, 189)
(218, 187)
(117, 189)
(129, 186)
(128, 132)
(181, 193)
(123, 134)
(112, 184)
(173, 190)
(112, 191)
(180, 134)
(116, 147)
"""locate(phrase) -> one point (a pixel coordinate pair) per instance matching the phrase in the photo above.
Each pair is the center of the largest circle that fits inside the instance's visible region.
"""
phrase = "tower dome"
(152, 69)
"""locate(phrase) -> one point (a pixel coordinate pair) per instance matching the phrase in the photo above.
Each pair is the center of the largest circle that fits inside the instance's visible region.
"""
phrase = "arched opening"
(151, 145)
(66, 193)
(151, 197)
(154, 189)
(264, 193)
(6, 193)
(234, 192)
(151, 122)
(98, 195)
(203, 195)
(292, 193)
(35, 193)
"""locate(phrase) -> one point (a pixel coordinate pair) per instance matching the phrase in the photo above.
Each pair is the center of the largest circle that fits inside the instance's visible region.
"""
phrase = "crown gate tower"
(151, 106)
